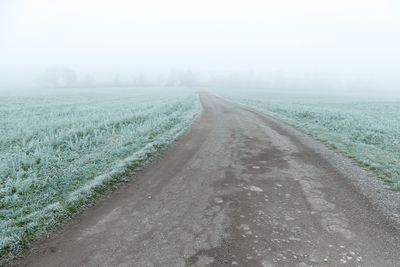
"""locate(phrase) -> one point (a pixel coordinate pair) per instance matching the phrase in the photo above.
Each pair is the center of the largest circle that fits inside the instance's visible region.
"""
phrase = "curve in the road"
(238, 189)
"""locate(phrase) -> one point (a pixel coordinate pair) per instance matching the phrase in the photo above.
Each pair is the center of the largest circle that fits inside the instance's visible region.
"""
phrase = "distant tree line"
(67, 77)
(60, 77)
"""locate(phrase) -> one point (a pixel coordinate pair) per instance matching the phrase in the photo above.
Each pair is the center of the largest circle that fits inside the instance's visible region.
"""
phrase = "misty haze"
(200, 133)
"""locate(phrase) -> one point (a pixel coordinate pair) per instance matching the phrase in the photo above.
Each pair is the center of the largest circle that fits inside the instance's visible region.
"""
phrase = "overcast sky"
(360, 37)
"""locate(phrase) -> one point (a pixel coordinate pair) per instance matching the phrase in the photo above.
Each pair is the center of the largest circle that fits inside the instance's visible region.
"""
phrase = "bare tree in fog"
(88, 81)
(116, 80)
(172, 79)
(60, 77)
(183, 78)
(140, 80)
(187, 78)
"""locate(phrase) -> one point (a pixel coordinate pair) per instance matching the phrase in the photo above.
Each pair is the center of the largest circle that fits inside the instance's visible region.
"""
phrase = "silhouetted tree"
(60, 77)
(187, 78)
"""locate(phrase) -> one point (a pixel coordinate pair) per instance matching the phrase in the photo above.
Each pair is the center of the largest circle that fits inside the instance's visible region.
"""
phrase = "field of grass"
(363, 128)
(59, 151)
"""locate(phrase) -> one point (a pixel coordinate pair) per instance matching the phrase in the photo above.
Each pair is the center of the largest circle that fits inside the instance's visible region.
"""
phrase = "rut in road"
(237, 189)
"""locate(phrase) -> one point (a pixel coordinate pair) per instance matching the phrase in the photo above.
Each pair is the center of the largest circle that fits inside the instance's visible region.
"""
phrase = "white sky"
(328, 36)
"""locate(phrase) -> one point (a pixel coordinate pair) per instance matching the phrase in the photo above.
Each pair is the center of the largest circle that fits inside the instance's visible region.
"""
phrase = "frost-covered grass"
(365, 129)
(57, 153)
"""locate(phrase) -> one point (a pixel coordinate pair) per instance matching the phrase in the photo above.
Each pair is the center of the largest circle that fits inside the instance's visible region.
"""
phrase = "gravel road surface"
(239, 189)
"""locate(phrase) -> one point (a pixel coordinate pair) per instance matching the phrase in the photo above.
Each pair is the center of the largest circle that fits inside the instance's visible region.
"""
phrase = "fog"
(328, 45)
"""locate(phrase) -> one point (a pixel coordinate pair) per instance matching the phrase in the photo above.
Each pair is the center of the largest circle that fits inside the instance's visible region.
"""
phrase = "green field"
(59, 150)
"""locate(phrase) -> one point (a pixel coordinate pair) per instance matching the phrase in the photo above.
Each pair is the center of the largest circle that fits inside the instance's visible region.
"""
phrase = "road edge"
(382, 198)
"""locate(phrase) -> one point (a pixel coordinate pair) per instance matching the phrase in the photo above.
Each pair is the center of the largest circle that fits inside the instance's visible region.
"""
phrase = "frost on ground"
(57, 152)
(365, 129)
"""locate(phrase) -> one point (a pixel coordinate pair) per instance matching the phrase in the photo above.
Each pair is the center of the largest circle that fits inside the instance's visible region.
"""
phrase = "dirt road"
(238, 189)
